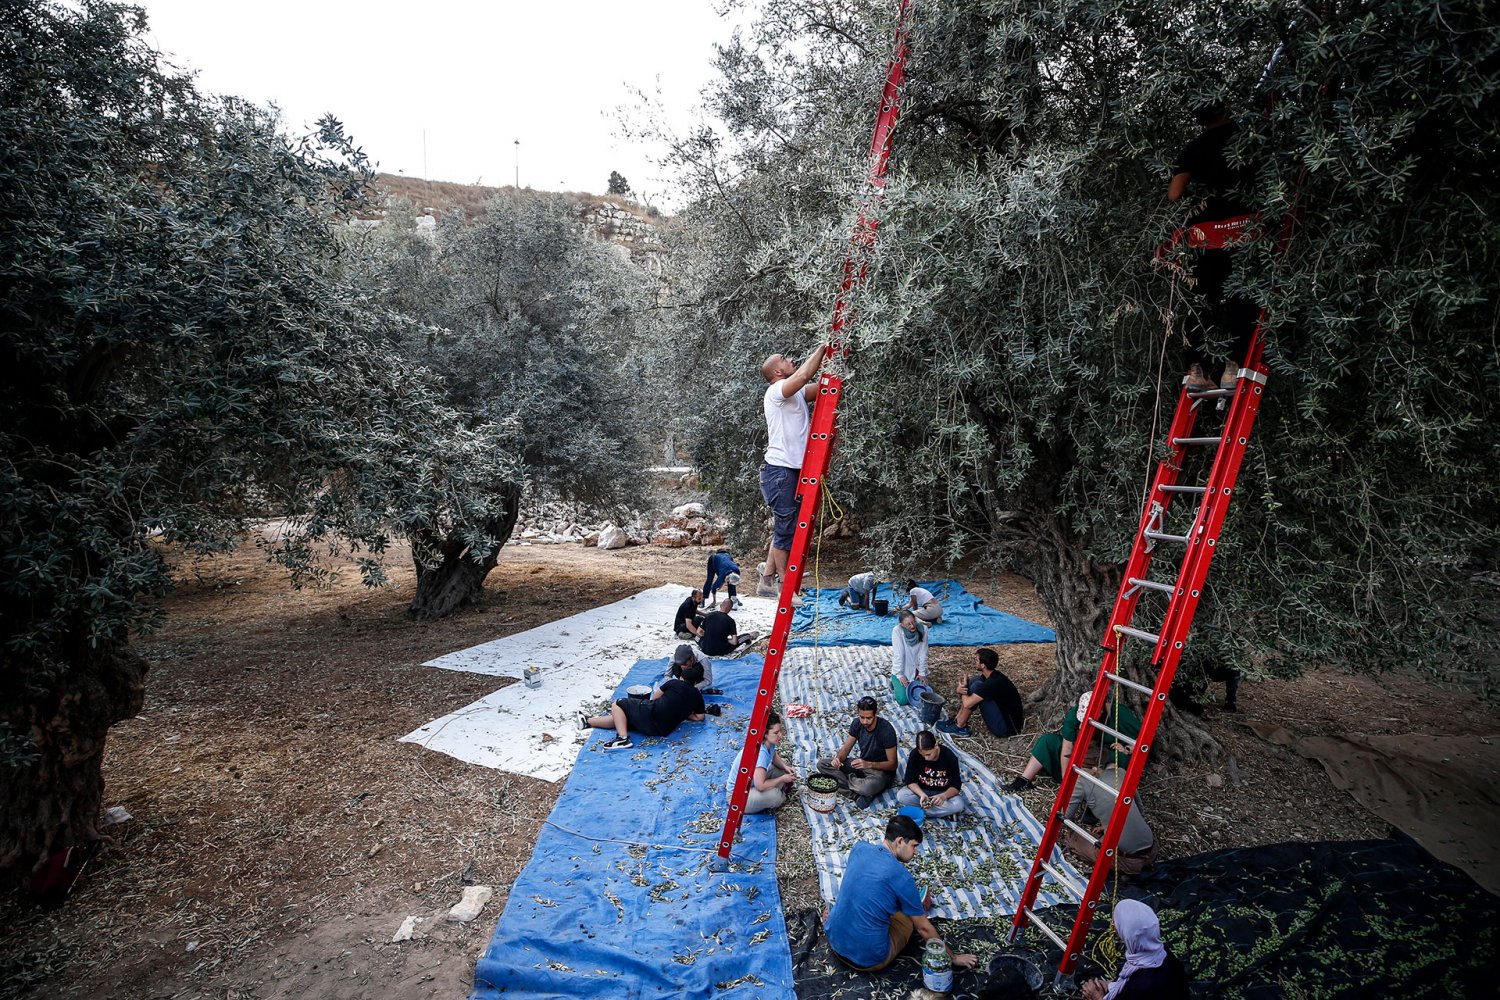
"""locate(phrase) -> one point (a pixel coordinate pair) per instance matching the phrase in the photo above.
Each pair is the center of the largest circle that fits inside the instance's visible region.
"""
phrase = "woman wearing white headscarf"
(1150, 972)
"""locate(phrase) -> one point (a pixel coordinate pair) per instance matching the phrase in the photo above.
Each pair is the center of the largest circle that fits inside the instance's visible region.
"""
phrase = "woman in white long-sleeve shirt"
(908, 655)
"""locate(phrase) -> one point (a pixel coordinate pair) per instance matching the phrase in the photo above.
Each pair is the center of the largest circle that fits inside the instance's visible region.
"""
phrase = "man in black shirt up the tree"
(1221, 221)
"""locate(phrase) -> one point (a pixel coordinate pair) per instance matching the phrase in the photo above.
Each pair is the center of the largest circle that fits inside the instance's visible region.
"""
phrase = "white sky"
(475, 75)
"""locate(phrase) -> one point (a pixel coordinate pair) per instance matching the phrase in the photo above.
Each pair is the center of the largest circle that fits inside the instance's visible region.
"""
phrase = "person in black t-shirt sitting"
(933, 781)
(676, 701)
(993, 694)
(688, 623)
(720, 636)
(1150, 972)
(1221, 220)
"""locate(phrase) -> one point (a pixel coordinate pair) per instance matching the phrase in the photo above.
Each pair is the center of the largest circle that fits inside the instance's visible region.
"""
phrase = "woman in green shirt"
(1052, 750)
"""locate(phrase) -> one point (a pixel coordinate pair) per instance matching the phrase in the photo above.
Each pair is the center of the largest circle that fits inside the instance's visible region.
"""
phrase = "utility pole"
(518, 164)
(424, 154)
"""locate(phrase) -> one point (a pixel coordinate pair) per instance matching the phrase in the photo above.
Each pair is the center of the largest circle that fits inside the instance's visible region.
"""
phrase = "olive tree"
(531, 323)
(182, 353)
(1016, 354)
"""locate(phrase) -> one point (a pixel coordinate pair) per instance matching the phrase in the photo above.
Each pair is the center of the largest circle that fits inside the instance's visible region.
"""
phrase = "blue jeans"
(778, 487)
(718, 572)
(990, 711)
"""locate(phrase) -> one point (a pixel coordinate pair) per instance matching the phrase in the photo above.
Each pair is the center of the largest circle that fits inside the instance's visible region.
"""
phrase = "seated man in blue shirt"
(879, 905)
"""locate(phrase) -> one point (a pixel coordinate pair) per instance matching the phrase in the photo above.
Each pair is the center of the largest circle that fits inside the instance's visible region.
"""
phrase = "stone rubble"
(554, 522)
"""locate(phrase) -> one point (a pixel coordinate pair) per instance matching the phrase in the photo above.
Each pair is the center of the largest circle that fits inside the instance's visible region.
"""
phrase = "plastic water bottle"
(532, 675)
(937, 967)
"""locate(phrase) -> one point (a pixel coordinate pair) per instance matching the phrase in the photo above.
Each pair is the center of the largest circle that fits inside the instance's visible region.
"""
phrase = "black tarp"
(1334, 919)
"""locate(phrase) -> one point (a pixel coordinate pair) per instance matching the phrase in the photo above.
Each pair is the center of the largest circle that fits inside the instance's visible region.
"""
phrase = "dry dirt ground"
(281, 834)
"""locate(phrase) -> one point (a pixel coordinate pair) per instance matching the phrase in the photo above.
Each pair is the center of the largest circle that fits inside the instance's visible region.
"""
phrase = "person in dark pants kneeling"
(670, 705)
(879, 905)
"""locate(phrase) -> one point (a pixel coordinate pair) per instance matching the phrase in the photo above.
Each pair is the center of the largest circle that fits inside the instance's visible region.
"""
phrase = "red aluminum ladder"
(823, 429)
(1167, 643)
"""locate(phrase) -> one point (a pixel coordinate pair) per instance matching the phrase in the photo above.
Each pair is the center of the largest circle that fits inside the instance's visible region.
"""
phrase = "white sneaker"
(796, 600)
(737, 605)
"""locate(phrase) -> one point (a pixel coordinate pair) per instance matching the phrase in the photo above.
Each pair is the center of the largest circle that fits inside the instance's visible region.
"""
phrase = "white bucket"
(821, 801)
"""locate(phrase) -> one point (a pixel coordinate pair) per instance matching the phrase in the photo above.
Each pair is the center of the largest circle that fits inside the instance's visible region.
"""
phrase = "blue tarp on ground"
(636, 912)
(966, 620)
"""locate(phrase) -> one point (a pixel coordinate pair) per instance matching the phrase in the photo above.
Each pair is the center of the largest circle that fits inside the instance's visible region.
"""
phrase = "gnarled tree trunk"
(451, 576)
(58, 714)
(1079, 593)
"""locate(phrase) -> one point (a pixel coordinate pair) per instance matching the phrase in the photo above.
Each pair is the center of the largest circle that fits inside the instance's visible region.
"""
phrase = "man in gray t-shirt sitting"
(1137, 847)
(866, 763)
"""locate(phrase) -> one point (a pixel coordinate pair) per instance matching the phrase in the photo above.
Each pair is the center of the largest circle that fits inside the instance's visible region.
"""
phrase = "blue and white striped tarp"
(975, 862)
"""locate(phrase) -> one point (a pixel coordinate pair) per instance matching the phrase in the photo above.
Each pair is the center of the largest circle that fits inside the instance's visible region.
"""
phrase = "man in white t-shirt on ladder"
(785, 403)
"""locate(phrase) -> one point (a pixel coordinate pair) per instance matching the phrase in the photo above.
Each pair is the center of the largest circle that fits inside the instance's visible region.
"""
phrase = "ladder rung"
(1046, 930)
(1165, 588)
(1081, 832)
(1136, 633)
(1211, 394)
(1196, 441)
(1115, 733)
(1162, 536)
(1181, 489)
(1064, 881)
(1143, 689)
(1111, 789)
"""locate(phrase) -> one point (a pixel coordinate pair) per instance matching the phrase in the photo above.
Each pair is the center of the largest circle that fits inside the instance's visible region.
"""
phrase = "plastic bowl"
(639, 692)
(915, 813)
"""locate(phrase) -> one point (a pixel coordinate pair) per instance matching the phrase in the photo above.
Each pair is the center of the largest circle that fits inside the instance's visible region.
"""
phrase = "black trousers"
(1217, 316)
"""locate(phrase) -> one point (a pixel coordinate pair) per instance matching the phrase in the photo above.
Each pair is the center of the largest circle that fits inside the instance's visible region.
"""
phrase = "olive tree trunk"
(1079, 594)
(53, 788)
(450, 575)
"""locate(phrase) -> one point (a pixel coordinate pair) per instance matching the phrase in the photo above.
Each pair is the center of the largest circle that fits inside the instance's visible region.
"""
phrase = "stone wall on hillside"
(611, 222)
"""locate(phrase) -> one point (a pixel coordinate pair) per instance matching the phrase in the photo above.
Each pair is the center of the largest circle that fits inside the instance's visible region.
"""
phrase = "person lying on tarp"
(681, 657)
(991, 692)
(1051, 751)
(866, 763)
(908, 656)
(720, 634)
(879, 906)
(923, 603)
(675, 702)
(1137, 847)
(688, 623)
(932, 780)
(860, 594)
(772, 774)
(1150, 972)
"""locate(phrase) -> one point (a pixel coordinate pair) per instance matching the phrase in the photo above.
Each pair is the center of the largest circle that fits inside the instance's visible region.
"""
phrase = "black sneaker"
(583, 721)
(619, 743)
(1019, 785)
(712, 691)
(862, 801)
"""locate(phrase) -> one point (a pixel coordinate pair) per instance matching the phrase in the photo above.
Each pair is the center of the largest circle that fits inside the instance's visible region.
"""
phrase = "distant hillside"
(614, 218)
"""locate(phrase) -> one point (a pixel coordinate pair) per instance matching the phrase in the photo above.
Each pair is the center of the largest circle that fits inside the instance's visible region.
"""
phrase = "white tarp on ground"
(532, 731)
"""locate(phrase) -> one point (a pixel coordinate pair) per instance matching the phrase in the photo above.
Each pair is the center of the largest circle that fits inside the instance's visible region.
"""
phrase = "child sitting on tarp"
(684, 655)
(932, 782)
(669, 706)
(923, 603)
(1051, 751)
(860, 594)
(879, 905)
(908, 656)
(772, 774)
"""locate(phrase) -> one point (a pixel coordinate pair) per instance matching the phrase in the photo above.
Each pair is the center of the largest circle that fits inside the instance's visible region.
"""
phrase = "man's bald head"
(776, 367)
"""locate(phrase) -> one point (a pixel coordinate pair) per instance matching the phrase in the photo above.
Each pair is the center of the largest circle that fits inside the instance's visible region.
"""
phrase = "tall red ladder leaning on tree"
(822, 431)
(1167, 642)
